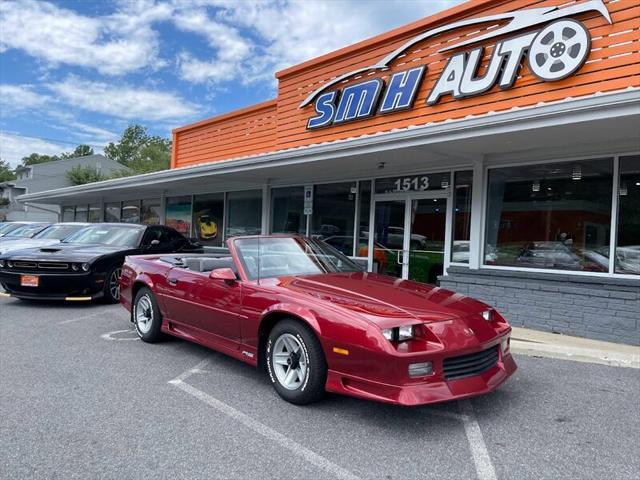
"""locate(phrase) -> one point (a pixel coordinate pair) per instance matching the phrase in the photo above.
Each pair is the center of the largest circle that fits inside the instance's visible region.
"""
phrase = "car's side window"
(152, 233)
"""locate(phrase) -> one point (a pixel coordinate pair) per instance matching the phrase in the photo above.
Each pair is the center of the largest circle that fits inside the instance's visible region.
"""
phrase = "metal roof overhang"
(586, 126)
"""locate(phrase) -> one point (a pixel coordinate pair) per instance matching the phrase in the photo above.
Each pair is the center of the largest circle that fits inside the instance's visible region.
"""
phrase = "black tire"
(311, 387)
(150, 332)
(109, 295)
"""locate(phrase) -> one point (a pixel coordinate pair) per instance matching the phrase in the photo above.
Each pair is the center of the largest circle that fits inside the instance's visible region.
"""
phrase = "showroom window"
(334, 207)
(550, 216)
(461, 237)
(362, 248)
(112, 212)
(244, 213)
(68, 214)
(150, 211)
(178, 214)
(208, 212)
(81, 213)
(131, 211)
(94, 213)
(627, 258)
(287, 210)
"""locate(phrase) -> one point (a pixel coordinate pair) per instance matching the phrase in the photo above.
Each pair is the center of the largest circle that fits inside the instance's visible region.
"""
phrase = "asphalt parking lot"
(81, 397)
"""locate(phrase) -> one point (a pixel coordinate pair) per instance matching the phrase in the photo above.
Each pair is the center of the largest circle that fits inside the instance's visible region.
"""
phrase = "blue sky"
(81, 71)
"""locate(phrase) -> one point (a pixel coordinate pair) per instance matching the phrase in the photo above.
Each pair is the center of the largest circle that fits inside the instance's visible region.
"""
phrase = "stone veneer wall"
(601, 308)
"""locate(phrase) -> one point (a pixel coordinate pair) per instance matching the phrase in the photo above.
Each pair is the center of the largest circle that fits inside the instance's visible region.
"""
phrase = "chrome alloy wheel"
(144, 314)
(289, 361)
(114, 283)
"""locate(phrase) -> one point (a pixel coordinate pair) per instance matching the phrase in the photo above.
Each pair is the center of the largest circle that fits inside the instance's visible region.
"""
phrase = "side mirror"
(225, 274)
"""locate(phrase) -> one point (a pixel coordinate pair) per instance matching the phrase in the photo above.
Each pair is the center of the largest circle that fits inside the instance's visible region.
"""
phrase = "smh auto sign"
(554, 51)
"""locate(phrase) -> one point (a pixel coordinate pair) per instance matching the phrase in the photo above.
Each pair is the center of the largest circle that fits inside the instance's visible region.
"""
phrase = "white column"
(477, 213)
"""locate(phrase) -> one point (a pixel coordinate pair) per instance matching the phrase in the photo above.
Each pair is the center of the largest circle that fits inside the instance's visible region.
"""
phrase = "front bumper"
(432, 389)
(81, 286)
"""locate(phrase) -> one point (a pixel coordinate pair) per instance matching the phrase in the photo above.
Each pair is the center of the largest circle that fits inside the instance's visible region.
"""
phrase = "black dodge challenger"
(86, 265)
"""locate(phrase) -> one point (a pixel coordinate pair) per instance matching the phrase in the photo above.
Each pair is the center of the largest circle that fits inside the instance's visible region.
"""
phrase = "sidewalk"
(543, 344)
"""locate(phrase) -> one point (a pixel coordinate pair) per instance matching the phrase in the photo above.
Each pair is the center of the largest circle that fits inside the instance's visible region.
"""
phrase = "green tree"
(139, 151)
(80, 175)
(6, 173)
(80, 151)
(36, 158)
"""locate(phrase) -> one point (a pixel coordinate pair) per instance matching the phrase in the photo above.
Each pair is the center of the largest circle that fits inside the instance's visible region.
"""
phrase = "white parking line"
(267, 432)
(481, 458)
(84, 317)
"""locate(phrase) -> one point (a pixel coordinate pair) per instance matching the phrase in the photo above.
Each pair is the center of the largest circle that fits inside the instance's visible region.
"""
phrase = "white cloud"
(13, 147)
(284, 32)
(19, 97)
(112, 45)
(123, 101)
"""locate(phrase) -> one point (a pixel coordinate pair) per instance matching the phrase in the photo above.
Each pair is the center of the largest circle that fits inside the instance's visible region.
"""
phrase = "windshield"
(268, 257)
(58, 232)
(7, 227)
(116, 235)
(26, 231)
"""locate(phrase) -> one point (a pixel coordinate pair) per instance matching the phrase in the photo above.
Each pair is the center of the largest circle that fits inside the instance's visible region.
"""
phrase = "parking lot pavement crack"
(267, 432)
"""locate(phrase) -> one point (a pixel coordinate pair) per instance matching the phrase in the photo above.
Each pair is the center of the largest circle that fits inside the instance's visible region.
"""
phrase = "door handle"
(173, 281)
(398, 260)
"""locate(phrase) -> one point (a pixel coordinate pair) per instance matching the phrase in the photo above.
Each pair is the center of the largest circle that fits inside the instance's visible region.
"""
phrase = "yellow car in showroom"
(208, 228)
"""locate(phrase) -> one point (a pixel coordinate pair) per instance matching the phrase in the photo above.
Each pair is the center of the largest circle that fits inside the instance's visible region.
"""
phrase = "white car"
(50, 235)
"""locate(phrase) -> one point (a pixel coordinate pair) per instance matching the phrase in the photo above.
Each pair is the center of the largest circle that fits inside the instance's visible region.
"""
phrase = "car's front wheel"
(146, 316)
(111, 292)
(295, 362)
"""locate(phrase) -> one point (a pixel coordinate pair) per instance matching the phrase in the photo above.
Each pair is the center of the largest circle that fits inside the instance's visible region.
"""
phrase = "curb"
(549, 345)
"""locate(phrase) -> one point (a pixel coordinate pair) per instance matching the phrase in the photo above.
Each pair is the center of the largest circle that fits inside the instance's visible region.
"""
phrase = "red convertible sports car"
(316, 322)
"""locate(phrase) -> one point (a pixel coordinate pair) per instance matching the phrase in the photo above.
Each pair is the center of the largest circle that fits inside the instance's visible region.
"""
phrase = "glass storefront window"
(363, 227)
(287, 210)
(552, 215)
(414, 183)
(82, 212)
(112, 212)
(178, 214)
(131, 211)
(208, 212)
(463, 182)
(244, 213)
(334, 207)
(94, 213)
(68, 214)
(150, 211)
(628, 242)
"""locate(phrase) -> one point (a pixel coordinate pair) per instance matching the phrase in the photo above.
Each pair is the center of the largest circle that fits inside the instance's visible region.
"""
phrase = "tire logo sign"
(553, 52)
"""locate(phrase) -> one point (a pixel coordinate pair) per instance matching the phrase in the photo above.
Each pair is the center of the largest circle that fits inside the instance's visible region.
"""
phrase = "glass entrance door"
(388, 237)
(426, 245)
(409, 237)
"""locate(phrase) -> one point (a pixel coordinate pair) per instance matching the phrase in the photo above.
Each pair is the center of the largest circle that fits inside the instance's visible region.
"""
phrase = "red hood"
(384, 300)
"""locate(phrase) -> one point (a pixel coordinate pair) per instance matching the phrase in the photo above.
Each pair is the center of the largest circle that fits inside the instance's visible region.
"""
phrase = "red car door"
(210, 307)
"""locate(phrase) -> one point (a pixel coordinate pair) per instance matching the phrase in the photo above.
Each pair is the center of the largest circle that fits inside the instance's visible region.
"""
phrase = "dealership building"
(493, 148)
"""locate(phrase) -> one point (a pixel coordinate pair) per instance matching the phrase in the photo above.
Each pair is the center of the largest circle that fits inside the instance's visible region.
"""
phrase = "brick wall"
(593, 307)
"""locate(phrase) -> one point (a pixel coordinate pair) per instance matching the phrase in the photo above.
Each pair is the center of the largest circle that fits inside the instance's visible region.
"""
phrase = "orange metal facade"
(613, 64)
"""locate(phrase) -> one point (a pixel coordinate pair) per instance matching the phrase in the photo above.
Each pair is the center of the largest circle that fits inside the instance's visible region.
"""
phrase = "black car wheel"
(111, 292)
(295, 362)
(146, 316)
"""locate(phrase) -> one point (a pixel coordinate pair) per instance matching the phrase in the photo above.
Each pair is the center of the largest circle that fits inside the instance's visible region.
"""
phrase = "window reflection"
(628, 242)
(553, 215)
(287, 210)
(333, 215)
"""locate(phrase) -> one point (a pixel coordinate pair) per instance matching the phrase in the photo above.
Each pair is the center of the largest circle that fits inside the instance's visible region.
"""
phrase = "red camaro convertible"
(316, 322)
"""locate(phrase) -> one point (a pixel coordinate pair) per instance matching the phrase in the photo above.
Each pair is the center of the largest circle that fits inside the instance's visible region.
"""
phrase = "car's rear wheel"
(295, 362)
(111, 293)
(146, 316)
